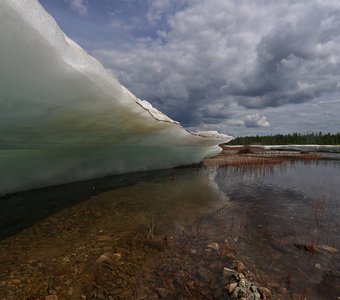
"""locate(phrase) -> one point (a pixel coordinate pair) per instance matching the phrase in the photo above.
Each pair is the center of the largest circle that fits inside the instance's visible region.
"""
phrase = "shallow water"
(51, 238)
(293, 203)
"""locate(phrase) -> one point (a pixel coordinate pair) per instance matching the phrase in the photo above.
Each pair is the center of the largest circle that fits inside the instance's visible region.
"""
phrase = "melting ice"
(64, 118)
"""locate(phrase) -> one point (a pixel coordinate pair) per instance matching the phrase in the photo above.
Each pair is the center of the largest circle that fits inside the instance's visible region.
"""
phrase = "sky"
(240, 67)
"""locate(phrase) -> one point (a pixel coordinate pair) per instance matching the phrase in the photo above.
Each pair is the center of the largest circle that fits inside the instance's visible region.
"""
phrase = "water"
(155, 228)
(292, 204)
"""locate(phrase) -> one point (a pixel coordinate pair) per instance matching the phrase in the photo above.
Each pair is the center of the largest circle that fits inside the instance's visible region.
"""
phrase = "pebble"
(234, 295)
(242, 283)
(231, 287)
(109, 256)
(329, 249)
(266, 293)
(317, 266)
(244, 289)
(240, 267)
(228, 272)
(253, 288)
(66, 259)
(214, 246)
(242, 292)
(190, 284)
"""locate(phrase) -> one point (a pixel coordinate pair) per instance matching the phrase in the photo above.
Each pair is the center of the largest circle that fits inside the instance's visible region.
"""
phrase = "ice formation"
(64, 118)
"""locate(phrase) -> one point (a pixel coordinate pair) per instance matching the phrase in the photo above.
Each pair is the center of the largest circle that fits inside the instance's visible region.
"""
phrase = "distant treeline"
(289, 139)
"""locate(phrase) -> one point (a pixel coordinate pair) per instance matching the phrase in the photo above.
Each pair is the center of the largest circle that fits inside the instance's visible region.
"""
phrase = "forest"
(289, 139)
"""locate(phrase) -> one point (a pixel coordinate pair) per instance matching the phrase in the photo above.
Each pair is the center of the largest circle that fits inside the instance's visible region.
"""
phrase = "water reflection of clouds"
(316, 179)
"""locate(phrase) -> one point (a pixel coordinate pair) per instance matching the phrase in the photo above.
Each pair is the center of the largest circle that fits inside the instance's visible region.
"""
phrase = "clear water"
(290, 204)
(52, 238)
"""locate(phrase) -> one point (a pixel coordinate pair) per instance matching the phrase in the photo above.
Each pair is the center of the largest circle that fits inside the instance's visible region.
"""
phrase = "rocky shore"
(190, 264)
(149, 265)
(113, 246)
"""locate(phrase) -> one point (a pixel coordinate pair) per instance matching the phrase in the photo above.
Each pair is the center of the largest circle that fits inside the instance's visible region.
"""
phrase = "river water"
(53, 239)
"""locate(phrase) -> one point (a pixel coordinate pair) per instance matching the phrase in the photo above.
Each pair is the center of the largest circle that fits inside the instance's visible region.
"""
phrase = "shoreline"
(254, 156)
(95, 250)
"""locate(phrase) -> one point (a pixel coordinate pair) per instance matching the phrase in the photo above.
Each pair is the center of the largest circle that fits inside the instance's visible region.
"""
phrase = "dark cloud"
(216, 54)
(291, 64)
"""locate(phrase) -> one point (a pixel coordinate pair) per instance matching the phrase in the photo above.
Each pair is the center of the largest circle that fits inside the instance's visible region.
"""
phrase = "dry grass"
(310, 156)
(256, 156)
(242, 160)
(245, 150)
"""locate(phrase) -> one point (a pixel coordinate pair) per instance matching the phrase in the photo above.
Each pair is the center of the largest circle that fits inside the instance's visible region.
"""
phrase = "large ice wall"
(64, 118)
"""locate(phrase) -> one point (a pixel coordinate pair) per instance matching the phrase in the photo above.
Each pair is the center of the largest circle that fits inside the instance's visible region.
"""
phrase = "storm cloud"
(229, 64)
(257, 54)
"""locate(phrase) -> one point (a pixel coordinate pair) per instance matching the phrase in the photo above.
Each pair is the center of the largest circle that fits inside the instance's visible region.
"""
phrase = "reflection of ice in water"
(178, 195)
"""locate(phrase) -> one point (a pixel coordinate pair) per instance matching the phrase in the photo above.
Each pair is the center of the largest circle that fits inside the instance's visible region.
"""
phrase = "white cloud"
(256, 120)
(78, 6)
(234, 122)
(156, 9)
(159, 9)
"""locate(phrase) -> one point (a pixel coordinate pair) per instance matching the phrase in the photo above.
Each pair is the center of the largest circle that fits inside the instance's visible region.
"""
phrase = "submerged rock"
(214, 246)
(240, 267)
(242, 288)
(228, 272)
(265, 293)
(231, 287)
(109, 256)
(328, 249)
